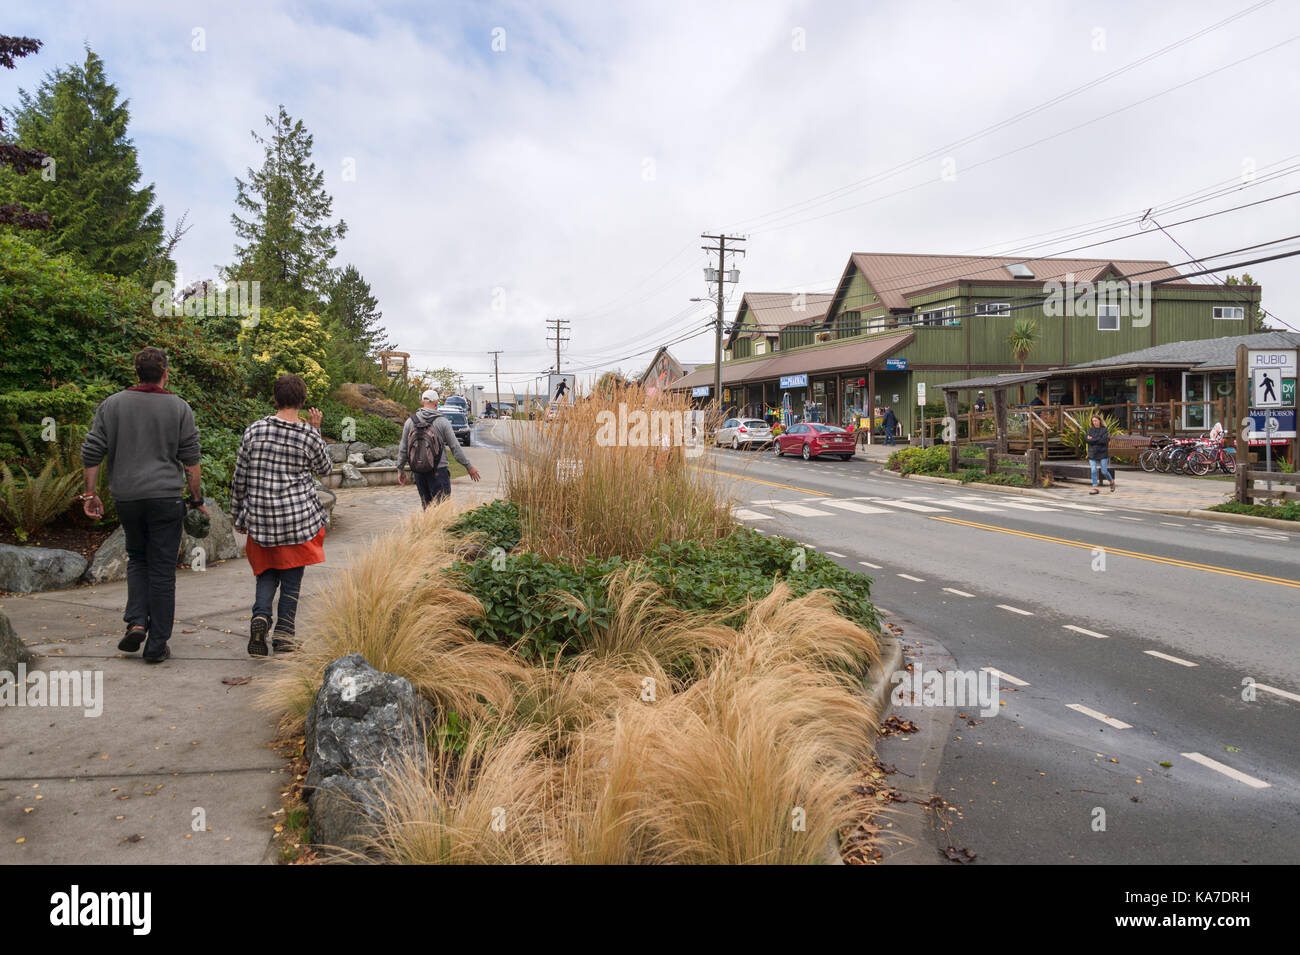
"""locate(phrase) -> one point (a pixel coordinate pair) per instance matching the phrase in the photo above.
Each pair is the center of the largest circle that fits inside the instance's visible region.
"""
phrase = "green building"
(895, 321)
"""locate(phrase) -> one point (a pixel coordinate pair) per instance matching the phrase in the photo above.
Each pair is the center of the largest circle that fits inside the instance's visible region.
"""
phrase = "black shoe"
(134, 637)
(154, 654)
(283, 643)
(257, 636)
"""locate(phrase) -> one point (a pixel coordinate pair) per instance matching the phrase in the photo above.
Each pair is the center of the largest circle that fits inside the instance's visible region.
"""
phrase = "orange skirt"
(286, 556)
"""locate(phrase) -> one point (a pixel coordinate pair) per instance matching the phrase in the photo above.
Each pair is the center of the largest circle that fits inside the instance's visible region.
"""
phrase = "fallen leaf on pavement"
(963, 856)
(236, 680)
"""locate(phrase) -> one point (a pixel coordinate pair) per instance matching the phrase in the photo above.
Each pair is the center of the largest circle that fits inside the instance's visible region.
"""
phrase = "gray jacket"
(442, 428)
(144, 438)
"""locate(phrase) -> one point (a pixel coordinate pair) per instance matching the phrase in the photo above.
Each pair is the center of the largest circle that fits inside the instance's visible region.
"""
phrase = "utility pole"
(558, 326)
(721, 277)
(496, 373)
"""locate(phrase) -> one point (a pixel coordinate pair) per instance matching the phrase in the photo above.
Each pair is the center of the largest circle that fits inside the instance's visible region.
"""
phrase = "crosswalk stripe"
(967, 505)
(856, 507)
(800, 510)
(907, 505)
(745, 514)
(1022, 507)
(1080, 507)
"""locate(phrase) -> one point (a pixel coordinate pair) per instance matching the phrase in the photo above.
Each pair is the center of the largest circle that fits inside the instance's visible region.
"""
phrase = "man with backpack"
(426, 436)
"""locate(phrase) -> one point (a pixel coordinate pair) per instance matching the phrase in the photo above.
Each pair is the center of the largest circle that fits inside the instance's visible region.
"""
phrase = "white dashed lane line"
(1282, 693)
(1087, 633)
(865, 563)
(919, 580)
(1123, 518)
(1023, 613)
(1108, 720)
(1228, 771)
(1006, 676)
(1164, 656)
(959, 593)
(831, 553)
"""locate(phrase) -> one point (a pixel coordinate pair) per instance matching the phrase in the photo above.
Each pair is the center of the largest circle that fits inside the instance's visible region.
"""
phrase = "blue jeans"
(290, 583)
(1104, 466)
(889, 436)
(433, 485)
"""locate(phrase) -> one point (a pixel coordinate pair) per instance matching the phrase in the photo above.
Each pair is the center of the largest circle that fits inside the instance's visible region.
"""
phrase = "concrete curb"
(931, 479)
(1235, 519)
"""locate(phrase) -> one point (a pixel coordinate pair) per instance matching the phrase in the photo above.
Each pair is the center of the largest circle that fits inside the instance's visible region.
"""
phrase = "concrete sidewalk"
(1135, 489)
(175, 749)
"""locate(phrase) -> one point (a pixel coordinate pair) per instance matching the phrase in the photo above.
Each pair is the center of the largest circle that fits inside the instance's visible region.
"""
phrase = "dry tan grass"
(394, 608)
(582, 496)
(752, 763)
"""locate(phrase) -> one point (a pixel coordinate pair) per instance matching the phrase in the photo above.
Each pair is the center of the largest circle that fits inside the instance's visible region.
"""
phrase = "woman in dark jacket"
(1098, 438)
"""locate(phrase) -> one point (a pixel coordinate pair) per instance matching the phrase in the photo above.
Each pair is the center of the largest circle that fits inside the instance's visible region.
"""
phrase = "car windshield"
(754, 423)
(455, 417)
(827, 428)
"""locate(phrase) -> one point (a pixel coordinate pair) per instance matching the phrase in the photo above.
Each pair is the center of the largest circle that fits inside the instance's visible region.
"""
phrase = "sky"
(500, 164)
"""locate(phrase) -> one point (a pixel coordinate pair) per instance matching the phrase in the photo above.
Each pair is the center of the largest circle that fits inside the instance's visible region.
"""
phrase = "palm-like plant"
(1023, 338)
(29, 503)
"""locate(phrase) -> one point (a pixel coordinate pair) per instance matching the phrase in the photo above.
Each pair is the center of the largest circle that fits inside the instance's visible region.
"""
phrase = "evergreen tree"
(89, 190)
(18, 158)
(288, 240)
(356, 312)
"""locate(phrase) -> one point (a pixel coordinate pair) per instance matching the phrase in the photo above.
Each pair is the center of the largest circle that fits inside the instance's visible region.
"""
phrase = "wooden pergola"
(999, 385)
(394, 363)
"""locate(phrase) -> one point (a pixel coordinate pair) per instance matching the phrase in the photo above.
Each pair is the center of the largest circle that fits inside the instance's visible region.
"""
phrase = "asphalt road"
(1133, 637)
(1122, 639)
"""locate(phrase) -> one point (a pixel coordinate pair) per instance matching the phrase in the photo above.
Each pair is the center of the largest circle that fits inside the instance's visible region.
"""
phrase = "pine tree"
(356, 312)
(288, 240)
(89, 190)
(18, 158)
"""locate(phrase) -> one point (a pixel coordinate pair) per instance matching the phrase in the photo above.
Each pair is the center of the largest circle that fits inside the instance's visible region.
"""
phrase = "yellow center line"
(1155, 558)
(741, 477)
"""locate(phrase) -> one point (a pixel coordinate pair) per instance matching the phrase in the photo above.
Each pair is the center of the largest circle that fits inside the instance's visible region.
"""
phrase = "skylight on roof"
(1020, 271)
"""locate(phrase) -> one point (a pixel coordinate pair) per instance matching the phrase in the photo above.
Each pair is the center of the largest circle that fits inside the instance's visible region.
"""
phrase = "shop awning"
(816, 360)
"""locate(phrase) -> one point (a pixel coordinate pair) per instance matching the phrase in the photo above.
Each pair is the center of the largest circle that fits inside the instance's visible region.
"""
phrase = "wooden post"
(1000, 418)
(950, 408)
(991, 461)
(1032, 457)
(1243, 446)
(871, 404)
(1173, 417)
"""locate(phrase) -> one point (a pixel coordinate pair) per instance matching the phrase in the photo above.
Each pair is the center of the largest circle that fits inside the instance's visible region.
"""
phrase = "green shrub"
(920, 460)
(523, 598)
(499, 520)
(1286, 511)
(370, 429)
(29, 503)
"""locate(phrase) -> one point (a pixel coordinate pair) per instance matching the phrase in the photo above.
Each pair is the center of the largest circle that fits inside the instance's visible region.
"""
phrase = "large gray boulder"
(327, 500)
(24, 570)
(375, 454)
(357, 460)
(12, 650)
(358, 447)
(338, 452)
(383, 463)
(352, 477)
(362, 723)
(109, 562)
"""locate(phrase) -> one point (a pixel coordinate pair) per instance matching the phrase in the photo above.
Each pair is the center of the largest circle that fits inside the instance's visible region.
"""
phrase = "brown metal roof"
(773, 311)
(894, 276)
(854, 355)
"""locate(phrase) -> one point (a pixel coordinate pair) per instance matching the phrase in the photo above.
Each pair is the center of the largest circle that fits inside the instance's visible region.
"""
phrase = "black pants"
(153, 541)
(433, 485)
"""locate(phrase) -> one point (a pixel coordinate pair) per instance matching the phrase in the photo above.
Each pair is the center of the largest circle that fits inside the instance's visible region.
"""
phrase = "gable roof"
(895, 276)
(773, 311)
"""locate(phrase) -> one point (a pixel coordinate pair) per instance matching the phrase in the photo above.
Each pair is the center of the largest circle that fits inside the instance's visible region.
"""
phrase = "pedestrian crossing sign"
(1267, 392)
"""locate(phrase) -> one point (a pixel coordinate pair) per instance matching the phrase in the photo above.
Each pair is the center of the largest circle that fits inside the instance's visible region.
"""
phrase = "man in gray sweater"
(146, 436)
(433, 481)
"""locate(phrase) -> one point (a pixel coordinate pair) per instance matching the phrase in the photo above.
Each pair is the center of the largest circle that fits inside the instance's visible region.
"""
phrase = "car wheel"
(776, 449)
(735, 443)
(807, 453)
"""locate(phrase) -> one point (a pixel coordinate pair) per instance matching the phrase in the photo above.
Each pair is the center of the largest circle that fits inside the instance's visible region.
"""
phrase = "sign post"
(920, 400)
(1270, 374)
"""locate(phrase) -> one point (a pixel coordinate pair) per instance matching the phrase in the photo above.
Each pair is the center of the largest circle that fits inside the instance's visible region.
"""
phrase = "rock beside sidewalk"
(362, 723)
(109, 562)
(12, 650)
(25, 570)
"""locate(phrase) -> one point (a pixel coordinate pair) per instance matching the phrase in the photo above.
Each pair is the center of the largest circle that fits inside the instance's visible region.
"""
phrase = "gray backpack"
(425, 447)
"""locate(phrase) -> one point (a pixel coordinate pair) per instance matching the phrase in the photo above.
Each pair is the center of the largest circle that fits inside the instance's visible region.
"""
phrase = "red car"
(812, 440)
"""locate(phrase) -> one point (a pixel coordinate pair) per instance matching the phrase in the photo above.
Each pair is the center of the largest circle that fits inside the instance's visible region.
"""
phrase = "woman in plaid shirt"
(273, 501)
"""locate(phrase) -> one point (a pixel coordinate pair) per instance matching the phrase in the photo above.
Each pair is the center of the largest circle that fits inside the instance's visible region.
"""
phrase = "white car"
(747, 433)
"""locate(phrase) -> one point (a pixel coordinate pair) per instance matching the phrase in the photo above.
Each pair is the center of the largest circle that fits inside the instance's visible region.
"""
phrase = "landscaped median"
(641, 681)
(933, 462)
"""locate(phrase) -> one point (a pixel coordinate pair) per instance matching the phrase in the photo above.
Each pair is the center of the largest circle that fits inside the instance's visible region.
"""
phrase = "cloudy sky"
(521, 161)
